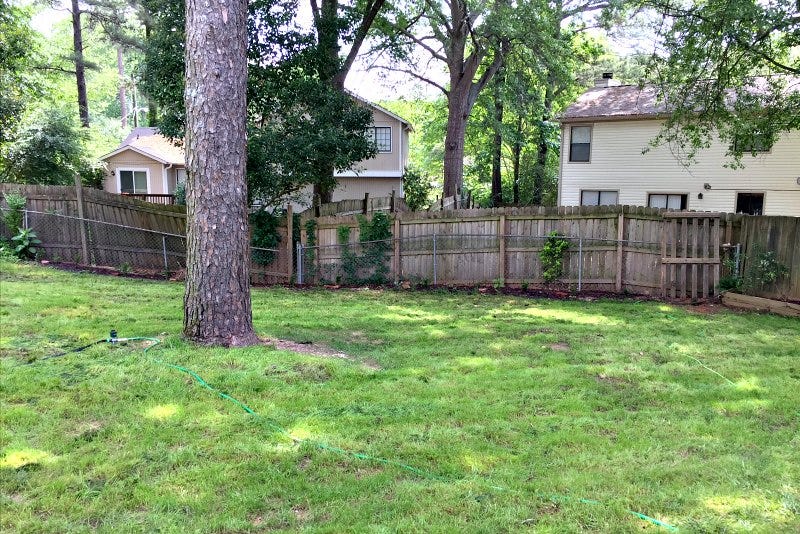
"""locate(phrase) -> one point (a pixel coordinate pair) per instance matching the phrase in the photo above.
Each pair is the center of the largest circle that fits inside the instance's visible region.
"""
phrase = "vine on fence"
(376, 234)
(552, 257)
(309, 265)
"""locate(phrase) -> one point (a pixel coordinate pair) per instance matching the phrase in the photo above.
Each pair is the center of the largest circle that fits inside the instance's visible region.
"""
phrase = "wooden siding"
(131, 159)
(617, 163)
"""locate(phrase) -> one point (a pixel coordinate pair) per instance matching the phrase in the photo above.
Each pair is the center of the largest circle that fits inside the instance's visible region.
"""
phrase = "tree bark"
(517, 151)
(457, 115)
(497, 143)
(123, 101)
(543, 148)
(80, 64)
(217, 296)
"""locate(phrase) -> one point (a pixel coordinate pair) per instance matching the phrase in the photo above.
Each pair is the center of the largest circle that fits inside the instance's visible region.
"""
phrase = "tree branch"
(414, 75)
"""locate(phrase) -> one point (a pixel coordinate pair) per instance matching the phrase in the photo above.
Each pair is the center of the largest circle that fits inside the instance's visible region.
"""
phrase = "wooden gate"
(690, 263)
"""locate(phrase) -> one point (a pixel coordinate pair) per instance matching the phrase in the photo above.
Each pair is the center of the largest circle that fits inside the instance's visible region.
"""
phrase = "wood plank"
(694, 254)
(737, 300)
(620, 244)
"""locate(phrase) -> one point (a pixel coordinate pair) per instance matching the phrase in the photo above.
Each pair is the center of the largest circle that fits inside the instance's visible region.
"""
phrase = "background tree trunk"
(123, 101)
(497, 142)
(217, 296)
(80, 64)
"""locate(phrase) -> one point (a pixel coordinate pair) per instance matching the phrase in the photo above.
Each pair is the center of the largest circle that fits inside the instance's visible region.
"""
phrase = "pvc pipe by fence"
(434, 258)
(299, 264)
(164, 250)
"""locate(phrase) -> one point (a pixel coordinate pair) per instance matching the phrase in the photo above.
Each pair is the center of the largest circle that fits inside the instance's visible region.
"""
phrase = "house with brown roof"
(147, 165)
(150, 166)
(606, 158)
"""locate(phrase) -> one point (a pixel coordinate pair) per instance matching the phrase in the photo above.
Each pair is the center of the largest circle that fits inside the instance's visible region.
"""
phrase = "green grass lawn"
(503, 400)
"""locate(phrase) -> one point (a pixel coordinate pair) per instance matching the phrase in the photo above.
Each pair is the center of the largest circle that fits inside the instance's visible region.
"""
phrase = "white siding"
(617, 163)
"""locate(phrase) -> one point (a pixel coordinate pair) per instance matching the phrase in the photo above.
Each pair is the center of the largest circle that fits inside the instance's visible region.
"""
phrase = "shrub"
(416, 189)
(14, 215)
(552, 257)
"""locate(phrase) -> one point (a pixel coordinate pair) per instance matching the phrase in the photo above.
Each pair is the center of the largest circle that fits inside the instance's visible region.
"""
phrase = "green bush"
(416, 189)
(552, 257)
(13, 216)
(26, 244)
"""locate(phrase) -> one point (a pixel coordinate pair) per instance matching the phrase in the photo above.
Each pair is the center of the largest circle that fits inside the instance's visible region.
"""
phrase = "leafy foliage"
(416, 189)
(264, 229)
(375, 236)
(18, 50)
(298, 125)
(13, 217)
(26, 244)
(762, 269)
(729, 69)
(47, 151)
(552, 257)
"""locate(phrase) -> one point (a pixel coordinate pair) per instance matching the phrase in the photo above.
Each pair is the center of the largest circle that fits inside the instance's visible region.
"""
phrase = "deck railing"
(155, 199)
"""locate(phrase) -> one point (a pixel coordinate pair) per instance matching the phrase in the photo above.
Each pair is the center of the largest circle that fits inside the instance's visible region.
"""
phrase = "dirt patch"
(560, 347)
(603, 378)
(310, 349)
(301, 513)
(705, 308)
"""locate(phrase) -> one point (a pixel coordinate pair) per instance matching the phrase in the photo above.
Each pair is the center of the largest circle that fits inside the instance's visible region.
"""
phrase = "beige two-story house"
(606, 158)
(150, 166)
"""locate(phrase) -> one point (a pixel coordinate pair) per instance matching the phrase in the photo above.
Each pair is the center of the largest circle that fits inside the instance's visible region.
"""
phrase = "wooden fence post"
(501, 234)
(81, 222)
(289, 243)
(620, 237)
(366, 204)
(396, 261)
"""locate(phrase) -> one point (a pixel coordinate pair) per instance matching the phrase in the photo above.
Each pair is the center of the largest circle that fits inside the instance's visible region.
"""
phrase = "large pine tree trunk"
(80, 64)
(217, 297)
(517, 151)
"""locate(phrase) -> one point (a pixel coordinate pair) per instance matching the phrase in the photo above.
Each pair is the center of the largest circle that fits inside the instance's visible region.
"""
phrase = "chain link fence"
(463, 259)
(128, 248)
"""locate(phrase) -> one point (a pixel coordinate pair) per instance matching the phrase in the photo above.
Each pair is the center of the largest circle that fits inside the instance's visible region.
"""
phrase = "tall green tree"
(18, 55)
(300, 126)
(728, 68)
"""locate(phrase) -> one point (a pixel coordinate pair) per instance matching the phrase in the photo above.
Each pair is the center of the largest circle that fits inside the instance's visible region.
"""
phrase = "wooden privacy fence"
(612, 248)
(93, 227)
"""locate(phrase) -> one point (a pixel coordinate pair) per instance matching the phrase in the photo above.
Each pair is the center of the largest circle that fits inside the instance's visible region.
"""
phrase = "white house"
(604, 133)
(148, 165)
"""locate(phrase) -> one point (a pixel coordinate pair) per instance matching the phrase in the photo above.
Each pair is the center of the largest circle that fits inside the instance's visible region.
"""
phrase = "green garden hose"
(324, 446)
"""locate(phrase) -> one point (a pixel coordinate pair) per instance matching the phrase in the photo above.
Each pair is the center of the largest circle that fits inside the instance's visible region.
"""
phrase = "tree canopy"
(728, 69)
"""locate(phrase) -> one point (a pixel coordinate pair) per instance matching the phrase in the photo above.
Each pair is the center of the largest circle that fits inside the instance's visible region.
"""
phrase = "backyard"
(443, 412)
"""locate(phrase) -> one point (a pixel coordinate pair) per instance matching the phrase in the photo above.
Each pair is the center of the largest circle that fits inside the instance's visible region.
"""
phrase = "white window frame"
(591, 143)
(374, 130)
(598, 191)
(133, 169)
(668, 194)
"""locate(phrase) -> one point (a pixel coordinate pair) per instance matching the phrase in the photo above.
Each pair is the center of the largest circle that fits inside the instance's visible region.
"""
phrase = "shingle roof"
(151, 143)
(622, 101)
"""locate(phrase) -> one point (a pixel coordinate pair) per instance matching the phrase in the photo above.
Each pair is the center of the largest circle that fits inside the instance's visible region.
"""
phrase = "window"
(180, 176)
(598, 198)
(675, 201)
(750, 203)
(381, 136)
(134, 182)
(753, 143)
(580, 141)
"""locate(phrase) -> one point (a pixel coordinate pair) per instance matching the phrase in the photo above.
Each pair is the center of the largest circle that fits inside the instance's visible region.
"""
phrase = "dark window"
(580, 143)
(753, 143)
(133, 181)
(598, 198)
(750, 203)
(675, 201)
(381, 136)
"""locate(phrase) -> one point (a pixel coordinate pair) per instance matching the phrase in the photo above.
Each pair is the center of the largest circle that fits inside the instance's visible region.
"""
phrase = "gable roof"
(381, 109)
(615, 103)
(150, 143)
